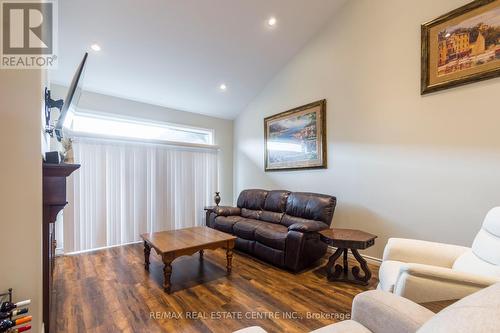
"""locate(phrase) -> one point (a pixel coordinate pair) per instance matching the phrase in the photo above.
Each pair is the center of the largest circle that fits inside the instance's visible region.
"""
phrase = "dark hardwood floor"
(109, 291)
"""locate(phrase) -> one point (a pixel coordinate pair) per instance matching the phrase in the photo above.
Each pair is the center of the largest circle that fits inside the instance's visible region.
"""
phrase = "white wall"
(223, 127)
(401, 165)
(21, 187)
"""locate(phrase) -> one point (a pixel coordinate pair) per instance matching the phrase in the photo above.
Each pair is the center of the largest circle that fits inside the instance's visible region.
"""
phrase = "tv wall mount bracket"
(49, 105)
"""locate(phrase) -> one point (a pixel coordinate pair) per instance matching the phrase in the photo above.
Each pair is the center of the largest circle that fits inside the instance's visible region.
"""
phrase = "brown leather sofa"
(280, 227)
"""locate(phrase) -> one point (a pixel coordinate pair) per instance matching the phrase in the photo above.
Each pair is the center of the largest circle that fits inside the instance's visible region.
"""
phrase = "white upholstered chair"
(426, 271)
(376, 311)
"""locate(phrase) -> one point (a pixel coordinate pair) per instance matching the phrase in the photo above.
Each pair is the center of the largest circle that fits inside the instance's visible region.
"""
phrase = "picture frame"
(461, 47)
(296, 139)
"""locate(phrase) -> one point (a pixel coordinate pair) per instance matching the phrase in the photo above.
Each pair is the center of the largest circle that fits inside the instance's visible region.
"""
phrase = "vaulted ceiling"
(177, 53)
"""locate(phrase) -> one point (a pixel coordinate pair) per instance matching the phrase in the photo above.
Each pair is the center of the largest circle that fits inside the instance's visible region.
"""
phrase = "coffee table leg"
(167, 273)
(364, 266)
(201, 253)
(147, 252)
(229, 255)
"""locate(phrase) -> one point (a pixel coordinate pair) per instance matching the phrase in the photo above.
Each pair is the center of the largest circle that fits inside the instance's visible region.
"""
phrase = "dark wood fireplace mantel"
(54, 200)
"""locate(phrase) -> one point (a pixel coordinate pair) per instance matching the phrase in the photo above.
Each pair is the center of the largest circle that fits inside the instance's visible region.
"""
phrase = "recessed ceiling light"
(272, 21)
(223, 87)
(95, 47)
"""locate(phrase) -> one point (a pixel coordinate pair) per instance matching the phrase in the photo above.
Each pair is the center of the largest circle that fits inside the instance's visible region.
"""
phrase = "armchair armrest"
(226, 211)
(422, 252)
(434, 272)
(382, 312)
(425, 283)
(310, 226)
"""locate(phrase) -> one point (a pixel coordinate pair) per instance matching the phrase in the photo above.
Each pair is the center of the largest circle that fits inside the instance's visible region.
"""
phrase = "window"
(101, 125)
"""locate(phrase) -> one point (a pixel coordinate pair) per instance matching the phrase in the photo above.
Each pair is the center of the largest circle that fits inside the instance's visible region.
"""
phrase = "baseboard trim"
(370, 259)
(99, 248)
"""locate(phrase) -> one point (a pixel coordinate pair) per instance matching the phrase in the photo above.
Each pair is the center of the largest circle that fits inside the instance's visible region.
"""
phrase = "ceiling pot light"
(272, 21)
(223, 87)
(95, 47)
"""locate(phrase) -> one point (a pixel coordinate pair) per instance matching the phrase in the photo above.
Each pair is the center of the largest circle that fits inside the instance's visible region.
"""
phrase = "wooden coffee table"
(175, 243)
(345, 240)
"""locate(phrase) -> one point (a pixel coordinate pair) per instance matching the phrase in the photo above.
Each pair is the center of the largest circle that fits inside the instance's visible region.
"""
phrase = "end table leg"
(364, 266)
(167, 273)
(229, 256)
(346, 263)
(333, 271)
(201, 253)
(147, 252)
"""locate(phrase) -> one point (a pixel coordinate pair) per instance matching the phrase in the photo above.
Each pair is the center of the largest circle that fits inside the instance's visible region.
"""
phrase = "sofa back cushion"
(274, 206)
(276, 201)
(310, 206)
(252, 199)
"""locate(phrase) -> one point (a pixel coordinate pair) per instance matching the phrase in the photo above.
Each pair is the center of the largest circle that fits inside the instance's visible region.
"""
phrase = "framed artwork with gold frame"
(461, 47)
(296, 139)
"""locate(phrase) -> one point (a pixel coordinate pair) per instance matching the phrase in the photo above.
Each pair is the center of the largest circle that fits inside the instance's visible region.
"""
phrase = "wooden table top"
(347, 234)
(182, 239)
(350, 238)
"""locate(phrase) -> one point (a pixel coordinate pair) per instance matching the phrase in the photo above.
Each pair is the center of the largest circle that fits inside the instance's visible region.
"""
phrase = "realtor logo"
(28, 34)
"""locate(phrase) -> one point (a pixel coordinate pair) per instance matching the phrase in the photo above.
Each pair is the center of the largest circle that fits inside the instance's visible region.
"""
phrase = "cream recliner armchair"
(426, 271)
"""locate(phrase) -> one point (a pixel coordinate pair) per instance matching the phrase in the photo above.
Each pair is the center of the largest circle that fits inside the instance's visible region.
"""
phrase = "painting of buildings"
(471, 43)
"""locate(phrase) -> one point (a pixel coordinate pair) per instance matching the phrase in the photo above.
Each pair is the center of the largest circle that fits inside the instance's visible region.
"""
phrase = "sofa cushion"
(273, 235)
(311, 206)
(225, 223)
(276, 201)
(272, 217)
(245, 228)
(250, 213)
(252, 199)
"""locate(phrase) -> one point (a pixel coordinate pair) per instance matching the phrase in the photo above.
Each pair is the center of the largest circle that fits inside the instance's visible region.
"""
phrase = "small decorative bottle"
(217, 198)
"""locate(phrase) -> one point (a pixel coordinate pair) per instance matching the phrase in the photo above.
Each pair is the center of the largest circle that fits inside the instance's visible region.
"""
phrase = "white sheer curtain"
(124, 189)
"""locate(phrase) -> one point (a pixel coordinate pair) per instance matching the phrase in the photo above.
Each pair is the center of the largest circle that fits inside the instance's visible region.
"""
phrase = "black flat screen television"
(74, 92)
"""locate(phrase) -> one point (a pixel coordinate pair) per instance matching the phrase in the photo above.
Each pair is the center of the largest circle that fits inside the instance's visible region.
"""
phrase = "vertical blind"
(124, 189)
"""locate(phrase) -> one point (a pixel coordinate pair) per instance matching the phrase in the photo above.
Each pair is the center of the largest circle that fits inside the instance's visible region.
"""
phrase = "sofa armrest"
(382, 312)
(310, 226)
(422, 252)
(226, 211)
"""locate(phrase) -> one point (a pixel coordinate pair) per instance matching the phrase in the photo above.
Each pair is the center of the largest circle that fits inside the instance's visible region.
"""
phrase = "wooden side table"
(345, 240)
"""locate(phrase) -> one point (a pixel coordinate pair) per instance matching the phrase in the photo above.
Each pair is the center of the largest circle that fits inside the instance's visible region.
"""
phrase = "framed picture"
(296, 139)
(461, 47)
